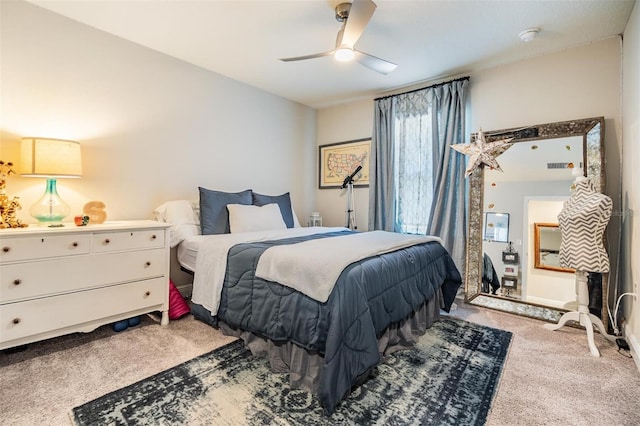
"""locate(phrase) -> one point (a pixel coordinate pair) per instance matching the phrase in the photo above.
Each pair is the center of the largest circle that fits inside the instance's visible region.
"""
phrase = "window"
(414, 172)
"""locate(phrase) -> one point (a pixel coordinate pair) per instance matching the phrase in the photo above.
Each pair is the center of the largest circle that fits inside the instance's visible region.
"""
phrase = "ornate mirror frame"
(592, 132)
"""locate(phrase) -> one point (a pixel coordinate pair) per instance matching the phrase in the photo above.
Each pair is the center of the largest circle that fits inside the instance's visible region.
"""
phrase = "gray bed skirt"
(305, 367)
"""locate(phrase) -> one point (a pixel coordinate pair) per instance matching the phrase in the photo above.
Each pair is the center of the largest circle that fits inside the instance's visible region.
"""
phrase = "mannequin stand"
(583, 316)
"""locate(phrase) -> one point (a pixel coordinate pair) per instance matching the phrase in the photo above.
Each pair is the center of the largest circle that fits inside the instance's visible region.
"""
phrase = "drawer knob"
(75, 244)
(153, 237)
(16, 320)
(107, 241)
(6, 249)
(147, 264)
(17, 281)
(147, 294)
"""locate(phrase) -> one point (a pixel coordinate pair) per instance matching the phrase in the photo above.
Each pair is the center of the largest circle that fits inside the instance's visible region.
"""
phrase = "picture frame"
(510, 283)
(510, 257)
(511, 270)
(338, 161)
(496, 227)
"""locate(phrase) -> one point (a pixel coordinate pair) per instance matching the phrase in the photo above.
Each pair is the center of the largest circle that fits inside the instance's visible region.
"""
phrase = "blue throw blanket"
(369, 295)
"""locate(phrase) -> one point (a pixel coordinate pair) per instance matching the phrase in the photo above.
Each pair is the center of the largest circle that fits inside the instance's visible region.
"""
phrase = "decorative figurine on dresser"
(8, 207)
(94, 210)
(582, 222)
(66, 279)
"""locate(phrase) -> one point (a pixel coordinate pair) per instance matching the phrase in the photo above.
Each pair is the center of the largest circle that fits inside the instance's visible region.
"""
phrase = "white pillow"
(296, 223)
(248, 218)
(182, 217)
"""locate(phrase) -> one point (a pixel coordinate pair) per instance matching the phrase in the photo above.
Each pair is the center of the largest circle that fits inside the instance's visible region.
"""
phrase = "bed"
(311, 300)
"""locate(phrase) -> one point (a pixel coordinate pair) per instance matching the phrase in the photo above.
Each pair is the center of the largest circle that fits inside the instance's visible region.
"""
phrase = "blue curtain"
(382, 205)
(448, 218)
(436, 117)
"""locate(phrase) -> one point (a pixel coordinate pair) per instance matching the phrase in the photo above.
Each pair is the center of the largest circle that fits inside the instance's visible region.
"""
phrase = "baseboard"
(550, 303)
(634, 345)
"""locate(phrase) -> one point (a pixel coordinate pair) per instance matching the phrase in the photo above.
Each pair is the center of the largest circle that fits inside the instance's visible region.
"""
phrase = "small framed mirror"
(546, 247)
(496, 227)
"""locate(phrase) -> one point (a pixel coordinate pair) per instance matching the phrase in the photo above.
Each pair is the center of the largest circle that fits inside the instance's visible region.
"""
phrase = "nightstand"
(55, 281)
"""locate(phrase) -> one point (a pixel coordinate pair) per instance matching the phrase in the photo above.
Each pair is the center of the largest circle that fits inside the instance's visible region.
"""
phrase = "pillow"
(296, 223)
(283, 201)
(214, 218)
(243, 218)
(182, 217)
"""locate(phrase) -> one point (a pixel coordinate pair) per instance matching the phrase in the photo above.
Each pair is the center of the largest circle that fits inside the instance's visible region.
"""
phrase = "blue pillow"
(214, 217)
(283, 201)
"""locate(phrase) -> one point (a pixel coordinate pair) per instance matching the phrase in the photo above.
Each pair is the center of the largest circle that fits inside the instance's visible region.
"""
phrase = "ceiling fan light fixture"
(354, 15)
(344, 54)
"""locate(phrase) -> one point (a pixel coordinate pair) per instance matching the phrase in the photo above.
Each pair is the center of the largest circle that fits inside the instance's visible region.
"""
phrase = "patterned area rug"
(448, 378)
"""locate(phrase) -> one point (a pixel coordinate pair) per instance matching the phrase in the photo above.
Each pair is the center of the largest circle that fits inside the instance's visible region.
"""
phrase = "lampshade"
(50, 158)
(43, 157)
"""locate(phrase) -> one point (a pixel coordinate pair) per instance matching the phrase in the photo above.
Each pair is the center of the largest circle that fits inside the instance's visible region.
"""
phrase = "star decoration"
(482, 152)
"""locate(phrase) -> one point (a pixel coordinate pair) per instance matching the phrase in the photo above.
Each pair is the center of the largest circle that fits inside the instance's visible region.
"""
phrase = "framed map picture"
(338, 161)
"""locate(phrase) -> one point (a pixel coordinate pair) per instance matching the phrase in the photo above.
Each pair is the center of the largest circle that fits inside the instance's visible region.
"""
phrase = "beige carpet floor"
(549, 377)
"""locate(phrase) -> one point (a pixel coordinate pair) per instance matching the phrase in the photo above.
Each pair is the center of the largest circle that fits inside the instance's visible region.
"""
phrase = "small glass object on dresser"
(51, 159)
(50, 209)
(315, 219)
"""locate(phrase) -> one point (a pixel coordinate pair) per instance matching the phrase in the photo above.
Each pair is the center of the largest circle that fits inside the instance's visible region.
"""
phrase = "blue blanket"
(370, 295)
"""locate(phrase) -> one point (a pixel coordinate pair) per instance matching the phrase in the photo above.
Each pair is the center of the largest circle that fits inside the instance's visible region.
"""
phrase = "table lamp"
(50, 158)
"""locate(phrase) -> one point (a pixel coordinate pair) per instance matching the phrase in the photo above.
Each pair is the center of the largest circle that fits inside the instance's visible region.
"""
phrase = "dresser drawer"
(127, 240)
(46, 277)
(33, 317)
(38, 247)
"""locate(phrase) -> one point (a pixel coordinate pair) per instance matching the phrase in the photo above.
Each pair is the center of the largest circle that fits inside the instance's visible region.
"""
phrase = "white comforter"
(311, 267)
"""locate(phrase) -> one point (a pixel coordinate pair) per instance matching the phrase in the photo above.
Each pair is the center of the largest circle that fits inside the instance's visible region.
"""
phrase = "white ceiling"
(428, 39)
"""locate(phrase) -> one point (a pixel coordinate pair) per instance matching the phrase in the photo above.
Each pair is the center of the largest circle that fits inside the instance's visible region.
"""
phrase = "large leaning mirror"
(538, 173)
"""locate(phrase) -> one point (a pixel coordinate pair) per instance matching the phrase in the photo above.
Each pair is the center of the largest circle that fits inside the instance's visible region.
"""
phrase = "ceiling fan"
(354, 17)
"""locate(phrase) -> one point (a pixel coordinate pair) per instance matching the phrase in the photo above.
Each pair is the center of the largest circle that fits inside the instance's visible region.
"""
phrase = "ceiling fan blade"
(302, 58)
(359, 16)
(374, 63)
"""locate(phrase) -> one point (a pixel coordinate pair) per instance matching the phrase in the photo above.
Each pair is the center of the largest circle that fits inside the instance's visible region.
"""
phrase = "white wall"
(630, 247)
(152, 128)
(340, 124)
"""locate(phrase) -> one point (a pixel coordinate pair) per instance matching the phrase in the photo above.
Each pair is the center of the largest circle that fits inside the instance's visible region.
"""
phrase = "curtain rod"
(423, 88)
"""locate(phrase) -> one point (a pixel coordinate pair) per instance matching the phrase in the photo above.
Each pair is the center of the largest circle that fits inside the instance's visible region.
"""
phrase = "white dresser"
(55, 281)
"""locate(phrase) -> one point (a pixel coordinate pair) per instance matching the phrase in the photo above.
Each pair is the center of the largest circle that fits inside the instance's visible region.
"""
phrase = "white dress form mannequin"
(582, 222)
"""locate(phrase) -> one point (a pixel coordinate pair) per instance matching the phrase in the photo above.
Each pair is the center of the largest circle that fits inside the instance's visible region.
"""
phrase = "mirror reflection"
(546, 245)
(535, 182)
(537, 179)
